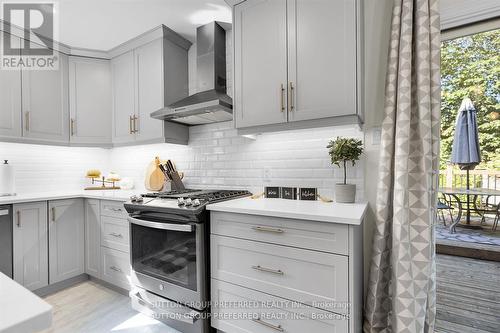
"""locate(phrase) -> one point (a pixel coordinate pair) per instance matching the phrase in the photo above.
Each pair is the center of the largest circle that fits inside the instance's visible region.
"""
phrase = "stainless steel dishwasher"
(6, 240)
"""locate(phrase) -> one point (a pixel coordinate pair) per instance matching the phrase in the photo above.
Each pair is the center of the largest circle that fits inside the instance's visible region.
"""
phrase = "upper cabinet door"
(321, 58)
(66, 239)
(260, 62)
(90, 101)
(149, 90)
(45, 103)
(123, 82)
(10, 99)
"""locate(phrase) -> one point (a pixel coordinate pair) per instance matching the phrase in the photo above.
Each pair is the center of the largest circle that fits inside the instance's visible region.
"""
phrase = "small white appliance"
(7, 184)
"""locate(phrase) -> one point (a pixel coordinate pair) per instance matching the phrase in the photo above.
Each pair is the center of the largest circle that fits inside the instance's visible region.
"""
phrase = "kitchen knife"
(162, 168)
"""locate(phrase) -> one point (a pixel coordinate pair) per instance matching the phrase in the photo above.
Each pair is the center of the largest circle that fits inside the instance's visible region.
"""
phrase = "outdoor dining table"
(456, 192)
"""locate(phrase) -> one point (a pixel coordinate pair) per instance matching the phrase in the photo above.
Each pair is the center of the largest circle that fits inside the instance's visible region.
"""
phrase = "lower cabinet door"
(93, 238)
(115, 267)
(30, 245)
(237, 309)
(66, 239)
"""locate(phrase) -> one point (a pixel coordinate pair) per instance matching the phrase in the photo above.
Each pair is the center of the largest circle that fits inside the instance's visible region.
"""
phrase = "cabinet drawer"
(327, 237)
(115, 267)
(310, 277)
(113, 209)
(240, 310)
(115, 233)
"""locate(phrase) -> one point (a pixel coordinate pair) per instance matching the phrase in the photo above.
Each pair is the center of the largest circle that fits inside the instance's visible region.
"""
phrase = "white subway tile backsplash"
(295, 158)
(215, 157)
(41, 168)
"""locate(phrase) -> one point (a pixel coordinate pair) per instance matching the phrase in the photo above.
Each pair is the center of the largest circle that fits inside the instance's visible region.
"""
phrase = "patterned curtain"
(401, 291)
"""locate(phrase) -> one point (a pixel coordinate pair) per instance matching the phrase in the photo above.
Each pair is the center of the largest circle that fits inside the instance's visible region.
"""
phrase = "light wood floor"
(91, 308)
(468, 300)
(468, 295)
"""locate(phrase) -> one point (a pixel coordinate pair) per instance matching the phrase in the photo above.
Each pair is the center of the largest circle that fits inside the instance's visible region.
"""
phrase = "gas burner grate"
(205, 196)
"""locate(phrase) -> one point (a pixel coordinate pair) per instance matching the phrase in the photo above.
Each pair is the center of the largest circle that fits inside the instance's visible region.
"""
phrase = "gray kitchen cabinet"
(321, 58)
(260, 62)
(149, 90)
(30, 245)
(123, 83)
(298, 64)
(93, 238)
(45, 103)
(10, 100)
(152, 75)
(90, 101)
(66, 239)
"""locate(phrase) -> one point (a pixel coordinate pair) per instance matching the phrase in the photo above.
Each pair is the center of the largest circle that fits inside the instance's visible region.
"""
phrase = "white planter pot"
(345, 193)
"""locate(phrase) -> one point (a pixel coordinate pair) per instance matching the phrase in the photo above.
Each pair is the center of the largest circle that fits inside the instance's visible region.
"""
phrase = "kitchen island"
(22, 311)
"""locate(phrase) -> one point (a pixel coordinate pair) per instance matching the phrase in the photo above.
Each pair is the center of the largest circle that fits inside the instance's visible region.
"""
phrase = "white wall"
(377, 22)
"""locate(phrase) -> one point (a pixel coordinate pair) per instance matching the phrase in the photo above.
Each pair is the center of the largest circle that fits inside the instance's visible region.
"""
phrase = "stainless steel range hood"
(211, 103)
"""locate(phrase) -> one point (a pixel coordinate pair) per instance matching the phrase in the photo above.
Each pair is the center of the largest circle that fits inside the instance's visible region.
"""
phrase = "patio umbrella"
(465, 151)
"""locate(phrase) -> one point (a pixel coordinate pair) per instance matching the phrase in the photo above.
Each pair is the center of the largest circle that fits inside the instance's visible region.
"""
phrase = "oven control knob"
(196, 203)
(161, 287)
(188, 202)
(136, 198)
(180, 201)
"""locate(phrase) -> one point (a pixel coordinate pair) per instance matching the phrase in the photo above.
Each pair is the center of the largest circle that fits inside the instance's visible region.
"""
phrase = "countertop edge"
(47, 197)
(218, 207)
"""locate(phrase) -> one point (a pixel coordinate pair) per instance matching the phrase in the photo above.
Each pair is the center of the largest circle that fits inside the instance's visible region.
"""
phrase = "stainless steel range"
(169, 240)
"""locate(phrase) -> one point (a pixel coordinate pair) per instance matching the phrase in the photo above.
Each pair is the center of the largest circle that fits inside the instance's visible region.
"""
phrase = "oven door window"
(167, 255)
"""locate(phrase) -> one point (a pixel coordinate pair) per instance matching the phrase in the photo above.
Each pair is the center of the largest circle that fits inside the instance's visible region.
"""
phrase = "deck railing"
(453, 177)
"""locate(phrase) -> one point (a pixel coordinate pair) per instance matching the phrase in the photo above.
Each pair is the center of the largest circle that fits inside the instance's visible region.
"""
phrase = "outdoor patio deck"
(468, 295)
(473, 243)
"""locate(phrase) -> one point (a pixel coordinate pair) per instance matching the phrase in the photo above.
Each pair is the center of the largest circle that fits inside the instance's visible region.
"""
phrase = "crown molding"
(161, 31)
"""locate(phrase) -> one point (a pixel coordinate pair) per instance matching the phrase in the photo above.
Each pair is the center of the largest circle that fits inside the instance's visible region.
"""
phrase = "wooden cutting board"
(154, 179)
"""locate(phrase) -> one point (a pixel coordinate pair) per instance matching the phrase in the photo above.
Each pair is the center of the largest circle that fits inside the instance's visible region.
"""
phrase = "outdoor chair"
(488, 208)
(442, 205)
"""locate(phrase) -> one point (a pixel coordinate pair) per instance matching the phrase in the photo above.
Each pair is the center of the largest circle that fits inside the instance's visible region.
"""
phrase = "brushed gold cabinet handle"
(27, 118)
(274, 327)
(130, 120)
(53, 214)
(18, 223)
(135, 124)
(292, 93)
(72, 127)
(282, 98)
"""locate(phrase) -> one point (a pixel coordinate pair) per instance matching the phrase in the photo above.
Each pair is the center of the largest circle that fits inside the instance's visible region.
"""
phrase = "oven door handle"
(163, 226)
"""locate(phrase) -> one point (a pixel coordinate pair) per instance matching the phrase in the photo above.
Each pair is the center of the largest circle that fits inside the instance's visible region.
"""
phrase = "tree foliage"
(470, 67)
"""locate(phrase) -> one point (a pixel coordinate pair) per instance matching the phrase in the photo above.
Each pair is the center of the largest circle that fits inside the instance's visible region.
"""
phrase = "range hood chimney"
(211, 103)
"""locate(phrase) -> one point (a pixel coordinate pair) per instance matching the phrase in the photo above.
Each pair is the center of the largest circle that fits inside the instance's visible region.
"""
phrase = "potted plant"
(343, 150)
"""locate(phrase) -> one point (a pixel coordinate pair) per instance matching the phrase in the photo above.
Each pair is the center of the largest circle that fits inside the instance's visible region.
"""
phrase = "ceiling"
(104, 24)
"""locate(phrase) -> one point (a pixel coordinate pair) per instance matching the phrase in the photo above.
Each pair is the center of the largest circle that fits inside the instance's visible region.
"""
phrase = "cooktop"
(189, 201)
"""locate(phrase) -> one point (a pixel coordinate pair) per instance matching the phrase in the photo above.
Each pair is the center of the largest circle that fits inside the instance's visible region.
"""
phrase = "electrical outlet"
(266, 175)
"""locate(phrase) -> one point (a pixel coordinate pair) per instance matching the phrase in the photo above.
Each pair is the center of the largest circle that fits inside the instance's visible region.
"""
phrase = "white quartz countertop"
(295, 209)
(21, 310)
(117, 195)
